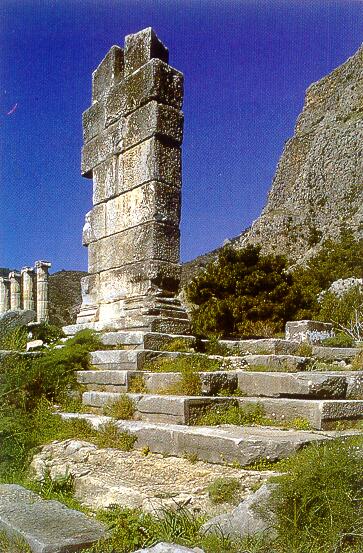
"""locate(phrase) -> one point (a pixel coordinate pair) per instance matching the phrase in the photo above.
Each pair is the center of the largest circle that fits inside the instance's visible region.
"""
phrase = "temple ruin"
(26, 290)
(132, 151)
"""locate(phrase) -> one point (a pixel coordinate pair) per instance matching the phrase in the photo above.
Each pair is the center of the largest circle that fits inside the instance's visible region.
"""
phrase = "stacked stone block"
(132, 138)
(27, 290)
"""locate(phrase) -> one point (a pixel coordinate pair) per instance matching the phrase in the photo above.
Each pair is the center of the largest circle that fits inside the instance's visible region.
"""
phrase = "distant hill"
(64, 296)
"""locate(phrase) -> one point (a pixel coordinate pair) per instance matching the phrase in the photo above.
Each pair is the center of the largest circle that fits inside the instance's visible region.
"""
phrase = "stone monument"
(132, 151)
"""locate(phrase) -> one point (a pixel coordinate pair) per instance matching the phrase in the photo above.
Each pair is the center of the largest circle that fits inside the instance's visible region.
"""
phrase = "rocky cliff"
(318, 185)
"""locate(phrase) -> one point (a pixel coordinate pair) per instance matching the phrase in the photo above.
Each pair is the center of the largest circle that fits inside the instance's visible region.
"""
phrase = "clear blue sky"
(246, 63)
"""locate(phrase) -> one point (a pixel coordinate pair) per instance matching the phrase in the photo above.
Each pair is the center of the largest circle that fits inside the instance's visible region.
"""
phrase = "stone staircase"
(267, 372)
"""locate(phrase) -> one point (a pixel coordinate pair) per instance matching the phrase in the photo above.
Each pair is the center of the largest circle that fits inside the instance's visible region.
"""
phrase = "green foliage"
(345, 311)
(318, 503)
(232, 414)
(13, 339)
(87, 338)
(196, 362)
(12, 544)
(335, 260)
(109, 435)
(305, 350)
(121, 408)
(357, 361)
(339, 341)
(241, 289)
(137, 384)
(224, 490)
(47, 332)
(179, 344)
(214, 347)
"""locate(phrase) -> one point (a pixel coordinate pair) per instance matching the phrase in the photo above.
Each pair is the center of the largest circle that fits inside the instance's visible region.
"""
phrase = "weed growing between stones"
(122, 408)
(110, 436)
(137, 384)
(357, 362)
(232, 414)
(304, 350)
(179, 344)
(196, 362)
(224, 490)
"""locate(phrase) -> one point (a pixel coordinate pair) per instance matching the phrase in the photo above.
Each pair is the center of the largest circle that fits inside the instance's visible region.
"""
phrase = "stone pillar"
(42, 268)
(4, 295)
(15, 291)
(133, 134)
(28, 275)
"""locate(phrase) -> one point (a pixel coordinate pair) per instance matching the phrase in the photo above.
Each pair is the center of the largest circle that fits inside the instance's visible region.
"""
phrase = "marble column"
(15, 291)
(4, 294)
(28, 276)
(42, 268)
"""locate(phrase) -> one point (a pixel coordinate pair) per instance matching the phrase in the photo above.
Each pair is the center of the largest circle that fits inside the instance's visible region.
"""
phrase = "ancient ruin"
(132, 151)
(26, 290)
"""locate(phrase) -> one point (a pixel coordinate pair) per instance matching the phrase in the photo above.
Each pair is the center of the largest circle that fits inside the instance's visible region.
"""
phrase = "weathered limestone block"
(108, 73)
(15, 295)
(141, 47)
(95, 224)
(152, 201)
(28, 277)
(104, 145)
(138, 279)
(4, 294)
(154, 81)
(153, 119)
(152, 160)
(308, 331)
(146, 242)
(107, 179)
(93, 121)
(47, 526)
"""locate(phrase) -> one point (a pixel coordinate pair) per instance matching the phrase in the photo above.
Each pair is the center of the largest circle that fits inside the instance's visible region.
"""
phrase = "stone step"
(262, 346)
(329, 354)
(273, 362)
(131, 340)
(321, 414)
(46, 526)
(223, 444)
(160, 408)
(269, 384)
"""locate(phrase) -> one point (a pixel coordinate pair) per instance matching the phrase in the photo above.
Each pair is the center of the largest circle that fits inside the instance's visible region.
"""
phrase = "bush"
(121, 408)
(241, 291)
(344, 311)
(13, 339)
(339, 341)
(224, 490)
(47, 332)
(318, 503)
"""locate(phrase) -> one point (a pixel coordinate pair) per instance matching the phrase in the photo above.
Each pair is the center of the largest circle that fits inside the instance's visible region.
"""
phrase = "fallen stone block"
(299, 384)
(244, 520)
(47, 526)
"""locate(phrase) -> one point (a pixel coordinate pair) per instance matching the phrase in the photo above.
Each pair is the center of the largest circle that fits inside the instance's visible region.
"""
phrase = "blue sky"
(247, 64)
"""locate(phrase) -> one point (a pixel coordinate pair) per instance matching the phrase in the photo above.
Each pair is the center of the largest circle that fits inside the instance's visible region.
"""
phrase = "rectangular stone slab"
(47, 526)
(303, 385)
(227, 444)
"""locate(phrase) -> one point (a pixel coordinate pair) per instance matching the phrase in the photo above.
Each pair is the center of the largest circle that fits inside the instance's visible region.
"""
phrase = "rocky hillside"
(318, 185)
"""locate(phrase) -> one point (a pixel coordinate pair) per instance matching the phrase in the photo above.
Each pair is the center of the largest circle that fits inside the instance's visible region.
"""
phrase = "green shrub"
(181, 363)
(110, 436)
(232, 414)
(121, 408)
(339, 341)
(47, 332)
(344, 311)
(137, 384)
(225, 490)
(87, 338)
(240, 290)
(13, 339)
(318, 503)
(179, 344)
(305, 349)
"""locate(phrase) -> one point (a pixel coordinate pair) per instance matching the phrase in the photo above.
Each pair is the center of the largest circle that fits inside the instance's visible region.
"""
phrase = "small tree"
(243, 292)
